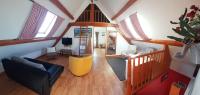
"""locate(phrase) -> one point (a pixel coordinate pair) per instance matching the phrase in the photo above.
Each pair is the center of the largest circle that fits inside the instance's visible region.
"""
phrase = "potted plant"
(189, 28)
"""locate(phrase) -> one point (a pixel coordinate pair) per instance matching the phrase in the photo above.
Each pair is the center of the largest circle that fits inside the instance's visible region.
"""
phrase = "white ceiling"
(111, 6)
(72, 5)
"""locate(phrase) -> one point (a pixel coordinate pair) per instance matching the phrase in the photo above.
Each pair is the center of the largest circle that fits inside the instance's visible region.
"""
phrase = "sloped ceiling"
(72, 5)
(110, 8)
(113, 6)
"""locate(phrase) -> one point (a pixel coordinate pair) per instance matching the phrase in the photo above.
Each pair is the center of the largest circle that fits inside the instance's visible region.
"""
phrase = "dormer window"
(47, 25)
(40, 23)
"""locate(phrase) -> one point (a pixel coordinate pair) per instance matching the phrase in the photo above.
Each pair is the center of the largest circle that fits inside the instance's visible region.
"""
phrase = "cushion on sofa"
(26, 62)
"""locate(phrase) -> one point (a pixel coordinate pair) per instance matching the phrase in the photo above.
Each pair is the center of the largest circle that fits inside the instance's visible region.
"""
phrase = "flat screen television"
(67, 41)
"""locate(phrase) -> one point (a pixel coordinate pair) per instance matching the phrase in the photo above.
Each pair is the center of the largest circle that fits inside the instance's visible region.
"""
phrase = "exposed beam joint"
(61, 36)
(124, 8)
(62, 8)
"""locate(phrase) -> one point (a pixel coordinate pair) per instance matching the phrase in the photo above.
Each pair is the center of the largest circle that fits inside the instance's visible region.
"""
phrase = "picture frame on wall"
(82, 32)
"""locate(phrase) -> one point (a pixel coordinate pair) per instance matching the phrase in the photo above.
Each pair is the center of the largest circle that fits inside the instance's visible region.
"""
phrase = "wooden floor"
(100, 81)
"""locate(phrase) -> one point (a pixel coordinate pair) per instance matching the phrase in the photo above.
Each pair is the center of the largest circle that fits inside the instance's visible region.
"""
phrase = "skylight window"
(131, 28)
(47, 25)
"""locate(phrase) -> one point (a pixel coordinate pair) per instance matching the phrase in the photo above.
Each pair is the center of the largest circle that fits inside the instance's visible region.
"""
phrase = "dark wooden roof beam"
(62, 8)
(124, 8)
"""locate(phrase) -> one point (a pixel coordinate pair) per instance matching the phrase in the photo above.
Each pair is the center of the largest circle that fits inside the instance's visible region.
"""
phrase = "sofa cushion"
(26, 62)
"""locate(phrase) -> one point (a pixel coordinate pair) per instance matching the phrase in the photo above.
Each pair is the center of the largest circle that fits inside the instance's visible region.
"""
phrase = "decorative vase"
(194, 53)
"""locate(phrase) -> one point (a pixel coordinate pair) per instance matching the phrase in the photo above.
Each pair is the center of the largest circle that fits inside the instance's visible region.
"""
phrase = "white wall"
(121, 45)
(14, 14)
(102, 39)
(75, 41)
(12, 19)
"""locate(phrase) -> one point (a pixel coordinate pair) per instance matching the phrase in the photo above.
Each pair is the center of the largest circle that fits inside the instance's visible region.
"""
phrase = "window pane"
(47, 25)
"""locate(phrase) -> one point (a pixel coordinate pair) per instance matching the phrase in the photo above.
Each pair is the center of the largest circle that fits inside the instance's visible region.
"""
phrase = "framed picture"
(83, 32)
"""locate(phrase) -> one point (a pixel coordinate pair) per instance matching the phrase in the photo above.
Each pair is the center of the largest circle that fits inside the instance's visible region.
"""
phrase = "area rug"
(119, 66)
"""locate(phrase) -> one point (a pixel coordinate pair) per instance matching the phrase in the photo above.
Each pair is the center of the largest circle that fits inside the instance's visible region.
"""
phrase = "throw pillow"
(29, 63)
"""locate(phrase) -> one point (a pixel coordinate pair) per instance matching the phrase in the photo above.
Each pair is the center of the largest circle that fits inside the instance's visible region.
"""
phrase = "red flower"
(191, 14)
(178, 29)
(194, 8)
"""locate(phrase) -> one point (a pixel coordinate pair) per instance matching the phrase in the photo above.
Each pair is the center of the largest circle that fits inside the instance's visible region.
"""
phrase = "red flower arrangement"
(188, 26)
(193, 13)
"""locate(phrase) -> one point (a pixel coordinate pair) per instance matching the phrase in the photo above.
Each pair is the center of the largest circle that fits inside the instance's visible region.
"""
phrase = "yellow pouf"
(80, 65)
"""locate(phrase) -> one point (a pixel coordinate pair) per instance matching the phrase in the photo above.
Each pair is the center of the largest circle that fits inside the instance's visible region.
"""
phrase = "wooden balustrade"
(143, 68)
(98, 17)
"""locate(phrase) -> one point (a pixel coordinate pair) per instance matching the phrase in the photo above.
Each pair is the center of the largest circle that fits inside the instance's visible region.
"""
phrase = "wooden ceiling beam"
(166, 42)
(124, 8)
(97, 24)
(23, 41)
(62, 8)
(62, 35)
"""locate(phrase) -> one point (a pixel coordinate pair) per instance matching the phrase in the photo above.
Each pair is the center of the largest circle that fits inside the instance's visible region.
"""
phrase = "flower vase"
(194, 53)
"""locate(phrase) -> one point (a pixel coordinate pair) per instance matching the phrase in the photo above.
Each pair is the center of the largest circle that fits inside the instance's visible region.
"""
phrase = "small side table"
(65, 52)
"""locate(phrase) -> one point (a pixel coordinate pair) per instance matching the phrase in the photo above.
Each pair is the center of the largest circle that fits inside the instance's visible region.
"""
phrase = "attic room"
(100, 47)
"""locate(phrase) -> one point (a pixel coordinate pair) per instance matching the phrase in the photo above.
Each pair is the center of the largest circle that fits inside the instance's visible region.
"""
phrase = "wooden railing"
(84, 17)
(98, 17)
(143, 68)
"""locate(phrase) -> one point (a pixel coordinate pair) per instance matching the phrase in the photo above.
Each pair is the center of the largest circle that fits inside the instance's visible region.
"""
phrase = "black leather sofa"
(36, 79)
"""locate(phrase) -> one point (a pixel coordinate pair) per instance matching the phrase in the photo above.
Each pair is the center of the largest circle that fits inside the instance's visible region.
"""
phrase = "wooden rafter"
(92, 13)
(23, 41)
(64, 32)
(62, 8)
(166, 42)
(124, 8)
(97, 24)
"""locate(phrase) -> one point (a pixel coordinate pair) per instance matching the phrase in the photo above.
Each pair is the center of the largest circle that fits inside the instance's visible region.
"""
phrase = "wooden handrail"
(166, 42)
(142, 69)
(97, 24)
(22, 41)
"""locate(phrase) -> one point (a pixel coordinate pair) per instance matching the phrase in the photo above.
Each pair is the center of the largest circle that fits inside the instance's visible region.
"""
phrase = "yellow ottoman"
(80, 65)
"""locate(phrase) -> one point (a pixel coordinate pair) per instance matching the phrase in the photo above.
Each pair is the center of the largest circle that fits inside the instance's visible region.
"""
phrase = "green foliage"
(175, 38)
(185, 28)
